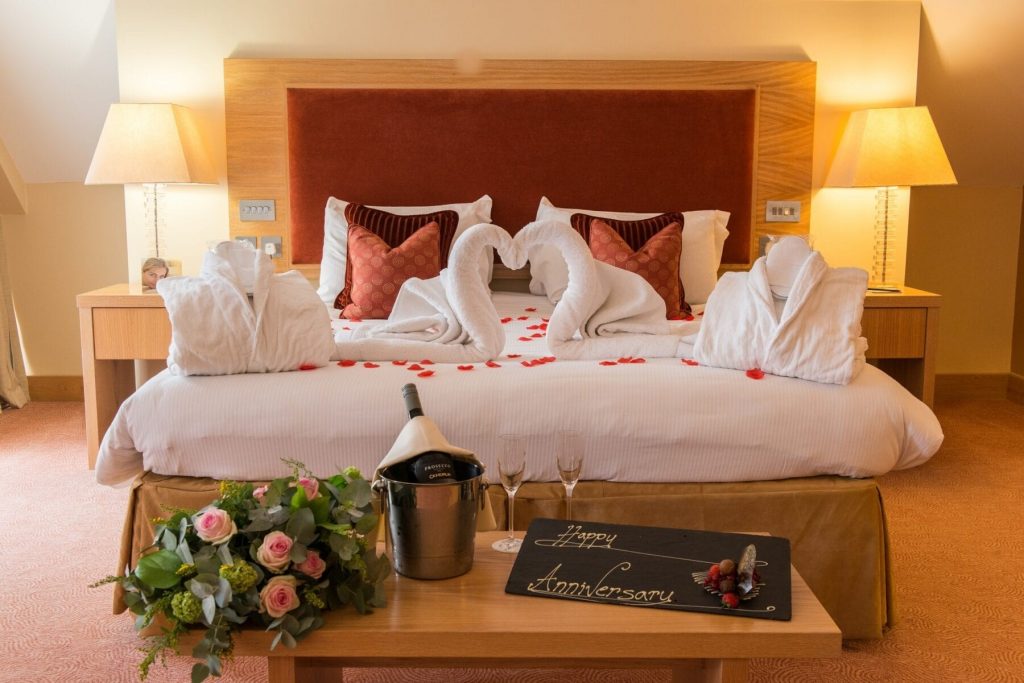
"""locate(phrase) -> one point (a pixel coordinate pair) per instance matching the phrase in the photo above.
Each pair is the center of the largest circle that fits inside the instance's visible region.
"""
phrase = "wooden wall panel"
(256, 111)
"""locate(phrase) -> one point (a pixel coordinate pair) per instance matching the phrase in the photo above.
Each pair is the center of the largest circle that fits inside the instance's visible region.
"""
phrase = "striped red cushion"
(636, 234)
(394, 229)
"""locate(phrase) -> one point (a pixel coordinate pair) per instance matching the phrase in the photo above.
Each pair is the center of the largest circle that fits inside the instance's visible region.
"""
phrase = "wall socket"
(251, 239)
(271, 246)
(257, 210)
(782, 212)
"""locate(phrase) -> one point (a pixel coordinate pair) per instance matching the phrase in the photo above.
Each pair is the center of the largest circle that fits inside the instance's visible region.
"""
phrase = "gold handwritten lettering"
(552, 584)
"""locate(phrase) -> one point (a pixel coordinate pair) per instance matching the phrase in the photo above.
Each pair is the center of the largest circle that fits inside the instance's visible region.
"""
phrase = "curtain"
(13, 382)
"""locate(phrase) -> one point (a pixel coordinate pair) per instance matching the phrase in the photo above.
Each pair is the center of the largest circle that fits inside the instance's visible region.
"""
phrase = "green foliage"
(186, 580)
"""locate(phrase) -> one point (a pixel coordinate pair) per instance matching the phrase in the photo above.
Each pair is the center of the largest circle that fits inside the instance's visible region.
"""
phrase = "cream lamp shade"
(886, 148)
(149, 143)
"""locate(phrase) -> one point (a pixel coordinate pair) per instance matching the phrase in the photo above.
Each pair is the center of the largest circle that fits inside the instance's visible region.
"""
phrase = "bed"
(668, 443)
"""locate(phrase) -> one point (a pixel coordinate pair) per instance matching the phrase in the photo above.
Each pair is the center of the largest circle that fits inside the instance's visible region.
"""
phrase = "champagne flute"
(570, 463)
(511, 465)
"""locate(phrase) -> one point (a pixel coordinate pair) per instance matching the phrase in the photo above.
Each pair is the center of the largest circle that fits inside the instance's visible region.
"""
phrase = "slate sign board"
(645, 567)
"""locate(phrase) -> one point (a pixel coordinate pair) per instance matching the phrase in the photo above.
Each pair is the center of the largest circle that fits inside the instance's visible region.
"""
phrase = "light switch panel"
(257, 210)
(782, 212)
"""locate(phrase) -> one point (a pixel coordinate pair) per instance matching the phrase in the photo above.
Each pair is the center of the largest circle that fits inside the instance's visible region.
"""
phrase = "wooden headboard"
(775, 133)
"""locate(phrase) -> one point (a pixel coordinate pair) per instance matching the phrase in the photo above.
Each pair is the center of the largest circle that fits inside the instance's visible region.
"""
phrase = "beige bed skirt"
(836, 526)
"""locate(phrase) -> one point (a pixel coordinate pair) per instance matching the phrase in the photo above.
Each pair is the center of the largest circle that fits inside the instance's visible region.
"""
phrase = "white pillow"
(332, 263)
(704, 236)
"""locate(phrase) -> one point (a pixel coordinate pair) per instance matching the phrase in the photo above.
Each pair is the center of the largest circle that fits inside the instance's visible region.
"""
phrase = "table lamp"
(151, 144)
(886, 148)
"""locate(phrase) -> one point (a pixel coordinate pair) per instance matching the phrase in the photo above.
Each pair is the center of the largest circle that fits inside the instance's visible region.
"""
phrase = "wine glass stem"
(511, 515)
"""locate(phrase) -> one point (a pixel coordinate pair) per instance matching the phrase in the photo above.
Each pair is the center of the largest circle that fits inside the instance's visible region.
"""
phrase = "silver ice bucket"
(432, 527)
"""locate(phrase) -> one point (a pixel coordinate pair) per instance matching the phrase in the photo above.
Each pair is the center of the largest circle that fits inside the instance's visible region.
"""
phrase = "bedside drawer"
(127, 333)
(894, 332)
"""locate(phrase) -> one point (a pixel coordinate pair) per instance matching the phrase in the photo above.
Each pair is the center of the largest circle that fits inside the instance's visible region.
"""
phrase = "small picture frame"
(155, 269)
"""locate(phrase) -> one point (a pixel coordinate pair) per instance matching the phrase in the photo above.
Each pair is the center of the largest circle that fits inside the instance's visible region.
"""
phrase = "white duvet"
(657, 421)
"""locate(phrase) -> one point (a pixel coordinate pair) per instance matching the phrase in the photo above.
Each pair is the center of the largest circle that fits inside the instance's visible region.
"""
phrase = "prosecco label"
(645, 567)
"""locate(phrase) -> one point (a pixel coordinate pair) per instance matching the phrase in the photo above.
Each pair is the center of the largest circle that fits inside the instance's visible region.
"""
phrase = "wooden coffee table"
(470, 621)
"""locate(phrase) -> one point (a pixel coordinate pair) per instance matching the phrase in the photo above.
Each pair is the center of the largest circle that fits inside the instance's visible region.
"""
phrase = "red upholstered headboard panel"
(628, 150)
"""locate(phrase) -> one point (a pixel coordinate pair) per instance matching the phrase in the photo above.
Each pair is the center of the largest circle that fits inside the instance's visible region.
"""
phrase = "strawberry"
(714, 572)
(730, 600)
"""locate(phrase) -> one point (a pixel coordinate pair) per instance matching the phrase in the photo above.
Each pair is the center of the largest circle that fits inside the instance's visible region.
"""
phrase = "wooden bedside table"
(118, 324)
(902, 330)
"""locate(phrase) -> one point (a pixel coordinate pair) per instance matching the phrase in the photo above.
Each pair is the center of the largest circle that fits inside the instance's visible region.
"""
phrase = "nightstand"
(118, 324)
(902, 330)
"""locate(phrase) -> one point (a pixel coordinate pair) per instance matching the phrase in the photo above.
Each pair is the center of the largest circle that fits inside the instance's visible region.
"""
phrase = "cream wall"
(866, 54)
(71, 240)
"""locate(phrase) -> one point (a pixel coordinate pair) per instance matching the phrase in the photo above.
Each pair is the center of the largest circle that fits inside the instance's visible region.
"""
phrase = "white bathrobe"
(815, 337)
(217, 330)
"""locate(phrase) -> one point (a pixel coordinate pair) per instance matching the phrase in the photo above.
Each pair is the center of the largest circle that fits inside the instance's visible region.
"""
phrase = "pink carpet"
(955, 529)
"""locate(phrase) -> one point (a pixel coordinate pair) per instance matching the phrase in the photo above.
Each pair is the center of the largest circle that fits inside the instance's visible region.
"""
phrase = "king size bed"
(669, 442)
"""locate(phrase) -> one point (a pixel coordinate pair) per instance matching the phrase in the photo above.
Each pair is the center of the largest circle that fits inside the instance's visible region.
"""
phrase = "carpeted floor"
(955, 525)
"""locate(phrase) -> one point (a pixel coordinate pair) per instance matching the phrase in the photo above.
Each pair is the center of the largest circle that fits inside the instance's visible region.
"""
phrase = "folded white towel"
(449, 318)
(815, 337)
(215, 330)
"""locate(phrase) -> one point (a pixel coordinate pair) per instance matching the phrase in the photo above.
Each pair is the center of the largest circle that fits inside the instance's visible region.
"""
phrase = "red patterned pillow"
(378, 270)
(394, 229)
(657, 260)
(635, 233)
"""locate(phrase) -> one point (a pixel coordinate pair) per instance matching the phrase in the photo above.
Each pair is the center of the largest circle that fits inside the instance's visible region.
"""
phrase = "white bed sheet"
(657, 421)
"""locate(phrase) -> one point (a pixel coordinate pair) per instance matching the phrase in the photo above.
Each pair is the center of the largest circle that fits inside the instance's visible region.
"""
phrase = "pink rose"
(312, 566)
(259, 492)
(274, 551)
(215, 526)
(278, 597)
(310, 485)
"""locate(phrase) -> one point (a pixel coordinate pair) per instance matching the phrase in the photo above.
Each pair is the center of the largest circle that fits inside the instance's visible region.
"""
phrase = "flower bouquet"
(275, 555)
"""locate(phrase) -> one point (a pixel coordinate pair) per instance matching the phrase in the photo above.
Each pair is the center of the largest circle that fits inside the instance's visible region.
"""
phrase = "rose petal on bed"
(626, 359)
(755, 373)
(547, 320)
(346, 363)
(537, 335)
(370, 365)
(608, 363)
(426, 362)
(549, 359)
(399, 362)
(506, 320)
(530, 309)
(425, 373)
(415, 366)
(533, 327)
(307, 366)
(523, 317)
(688, 317)
(515, 355)
(492, 364)
(464, 367)
(527, 363)
(525, 339)
(701, 313)
(689, 361)
(355, 320)
(638, 360)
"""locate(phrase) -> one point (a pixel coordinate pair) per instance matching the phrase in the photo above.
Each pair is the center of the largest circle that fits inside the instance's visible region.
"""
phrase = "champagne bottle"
(432, 467)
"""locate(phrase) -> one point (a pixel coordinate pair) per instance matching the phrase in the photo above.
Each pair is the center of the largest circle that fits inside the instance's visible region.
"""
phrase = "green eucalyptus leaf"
(202, 649)
(209, 608)
(321, 508)
(359, 492)
(276, 640)
(185, 553)
(302, 525)
(158, 569)
(298, 553)
(213, 661)
(288, 640)
(167, 539)
(200, 672)
(224, 554)
(298, 498)
(223, 594)
(367, 523)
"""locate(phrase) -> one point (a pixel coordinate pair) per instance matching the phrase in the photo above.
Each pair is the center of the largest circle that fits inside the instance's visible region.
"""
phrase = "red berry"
(730, 600)
(714, 572)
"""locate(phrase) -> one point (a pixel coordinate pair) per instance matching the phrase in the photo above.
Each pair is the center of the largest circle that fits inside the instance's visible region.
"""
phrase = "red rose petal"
(530, 309)
(523, 317)
(638, 360)
(755, 373)
(492, 364)
(426, 362)
(701, 313)
(537, 335)
(506, 320)
(533, 327)
(346, 363)
(626, 359)
(415, 366)
(370, 365)
(425, 373)
(355, 320)
(399, 362)
(527, 363)
(515, 355)
(465, 367)
(608, 363)
(546, 320)
(307, 366)
(347, 328)
(688, 318)
(525, 339)
(549, 359)
(690, 361)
